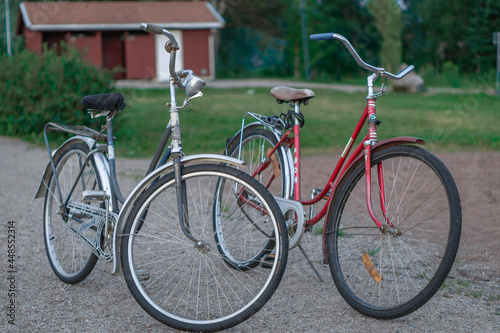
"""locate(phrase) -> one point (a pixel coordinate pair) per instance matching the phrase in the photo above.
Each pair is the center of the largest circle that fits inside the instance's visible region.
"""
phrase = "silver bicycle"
(202, 245)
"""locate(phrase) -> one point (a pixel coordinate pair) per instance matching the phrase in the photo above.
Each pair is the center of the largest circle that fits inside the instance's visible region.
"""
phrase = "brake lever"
(186, 101)
(383, 91)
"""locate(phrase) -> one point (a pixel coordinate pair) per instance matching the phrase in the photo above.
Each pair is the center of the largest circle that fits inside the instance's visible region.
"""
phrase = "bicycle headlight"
(193, 84)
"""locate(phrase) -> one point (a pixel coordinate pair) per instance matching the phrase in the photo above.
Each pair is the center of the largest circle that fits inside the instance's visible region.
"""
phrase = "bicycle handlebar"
(192, 84)
(355, 55)
(151, 28)
(172, 48)
(400, 74)
(156, 29)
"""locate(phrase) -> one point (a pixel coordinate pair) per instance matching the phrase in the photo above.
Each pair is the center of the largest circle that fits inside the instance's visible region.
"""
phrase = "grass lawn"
(446, 122)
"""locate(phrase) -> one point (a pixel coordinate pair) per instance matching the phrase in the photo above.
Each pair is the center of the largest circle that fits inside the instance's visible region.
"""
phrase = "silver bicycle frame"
(105, 165)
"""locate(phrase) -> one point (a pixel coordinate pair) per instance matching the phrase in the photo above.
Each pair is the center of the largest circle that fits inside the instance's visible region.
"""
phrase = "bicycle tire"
(256, 144)
(188, 285)
(393, 273)
(70, 259)
(254, 148)
(252, 229)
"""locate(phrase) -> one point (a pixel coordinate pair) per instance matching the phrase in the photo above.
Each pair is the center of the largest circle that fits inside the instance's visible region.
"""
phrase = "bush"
(36, 89)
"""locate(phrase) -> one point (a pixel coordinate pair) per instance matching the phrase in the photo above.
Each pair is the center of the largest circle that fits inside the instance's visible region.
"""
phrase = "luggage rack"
(77, 130)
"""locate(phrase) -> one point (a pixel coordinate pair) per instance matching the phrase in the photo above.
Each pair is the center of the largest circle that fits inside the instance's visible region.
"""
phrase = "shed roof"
(118, 15)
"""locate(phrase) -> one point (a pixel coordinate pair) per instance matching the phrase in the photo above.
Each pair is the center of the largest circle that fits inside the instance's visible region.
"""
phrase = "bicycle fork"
(180, 189)
(180, 184)
(373, 122)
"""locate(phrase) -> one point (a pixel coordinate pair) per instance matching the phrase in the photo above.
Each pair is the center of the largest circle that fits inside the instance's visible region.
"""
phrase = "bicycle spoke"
(198, 281)
(401, 260)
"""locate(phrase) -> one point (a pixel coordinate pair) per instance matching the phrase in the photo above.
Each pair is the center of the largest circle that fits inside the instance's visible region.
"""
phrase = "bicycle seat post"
(112, 166)
(296, 152)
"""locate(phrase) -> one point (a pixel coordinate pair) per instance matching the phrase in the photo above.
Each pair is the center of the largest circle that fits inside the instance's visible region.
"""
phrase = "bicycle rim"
(258, 234)
(255, 147)
(70, 258)
(390, 273)
(190, 285)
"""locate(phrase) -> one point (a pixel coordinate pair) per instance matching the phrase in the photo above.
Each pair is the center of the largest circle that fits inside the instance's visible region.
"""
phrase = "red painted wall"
(136, 52)
(196, 51)
(90, 46)
(33, 41)
(113, 52)
(140, 56)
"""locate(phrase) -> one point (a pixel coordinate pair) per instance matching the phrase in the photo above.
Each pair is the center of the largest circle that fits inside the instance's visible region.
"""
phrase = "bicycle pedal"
(316, 191)
(267, 261)
(94, 196)
(143, 275)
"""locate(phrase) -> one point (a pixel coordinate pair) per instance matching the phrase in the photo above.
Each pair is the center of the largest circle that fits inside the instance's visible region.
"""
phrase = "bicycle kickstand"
(310, 262)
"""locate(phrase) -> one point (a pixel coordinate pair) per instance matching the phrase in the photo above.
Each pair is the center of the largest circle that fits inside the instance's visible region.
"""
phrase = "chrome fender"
(285, 152)
(101, 164)
(403, 140)
(144, 185)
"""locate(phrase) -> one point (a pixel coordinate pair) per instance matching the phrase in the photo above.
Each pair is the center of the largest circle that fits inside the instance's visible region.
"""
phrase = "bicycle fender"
(288, 160)
(144, 185)
(101, 163)
(401, 140)
(236, 138)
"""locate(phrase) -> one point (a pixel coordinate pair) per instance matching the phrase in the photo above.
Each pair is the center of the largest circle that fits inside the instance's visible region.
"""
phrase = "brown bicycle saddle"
(287, 94)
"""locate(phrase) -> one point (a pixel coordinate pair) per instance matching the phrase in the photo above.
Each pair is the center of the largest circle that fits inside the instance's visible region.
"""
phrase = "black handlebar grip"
(328, 35)
(151, 28)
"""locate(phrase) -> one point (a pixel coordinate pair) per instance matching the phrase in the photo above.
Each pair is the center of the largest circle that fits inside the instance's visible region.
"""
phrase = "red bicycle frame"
(365, 148)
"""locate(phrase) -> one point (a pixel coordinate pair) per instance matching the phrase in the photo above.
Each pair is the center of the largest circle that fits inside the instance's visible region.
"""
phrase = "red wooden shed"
(108, 33)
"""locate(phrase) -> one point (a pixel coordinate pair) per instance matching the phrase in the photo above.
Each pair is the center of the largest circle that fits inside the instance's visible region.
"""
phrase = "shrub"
(36, 89)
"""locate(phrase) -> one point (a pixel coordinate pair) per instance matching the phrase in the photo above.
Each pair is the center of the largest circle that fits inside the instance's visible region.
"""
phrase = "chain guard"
(293, 212)
(82, 217)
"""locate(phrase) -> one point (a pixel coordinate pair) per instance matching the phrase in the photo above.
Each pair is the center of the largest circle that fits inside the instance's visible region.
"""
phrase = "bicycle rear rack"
(77, 130)
(72, 129)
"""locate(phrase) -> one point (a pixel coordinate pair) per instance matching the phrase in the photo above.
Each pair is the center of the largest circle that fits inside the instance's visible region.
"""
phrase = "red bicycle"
(392, 220)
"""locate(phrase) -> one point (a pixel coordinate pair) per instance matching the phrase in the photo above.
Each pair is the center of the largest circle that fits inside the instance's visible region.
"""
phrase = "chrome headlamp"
(193, 84)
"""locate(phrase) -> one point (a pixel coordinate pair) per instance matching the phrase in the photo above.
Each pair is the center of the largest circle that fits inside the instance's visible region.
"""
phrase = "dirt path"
(470, 302)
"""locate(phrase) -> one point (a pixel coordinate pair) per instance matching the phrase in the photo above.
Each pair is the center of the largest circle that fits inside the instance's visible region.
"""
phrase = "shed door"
(163, 58)
(112, 51)
(196, 55)
(140, 55)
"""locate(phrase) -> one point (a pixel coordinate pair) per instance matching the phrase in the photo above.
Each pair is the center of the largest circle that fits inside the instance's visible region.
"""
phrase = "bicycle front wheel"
(177, 274)
(392, 272)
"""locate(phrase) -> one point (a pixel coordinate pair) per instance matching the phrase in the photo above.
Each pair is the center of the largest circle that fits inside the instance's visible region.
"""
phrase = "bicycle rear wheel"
(187, 284)
(71, 259)
(391, 273)
(271, 170)
(256, 145)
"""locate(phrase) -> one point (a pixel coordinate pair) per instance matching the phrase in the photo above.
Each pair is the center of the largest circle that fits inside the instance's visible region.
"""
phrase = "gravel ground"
(102, 303)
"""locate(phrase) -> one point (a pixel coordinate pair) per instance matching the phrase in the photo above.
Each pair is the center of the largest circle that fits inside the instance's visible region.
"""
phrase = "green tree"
(330, 59)
(389, 22)
(483, 21)
(457, 31)
(36, 89)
